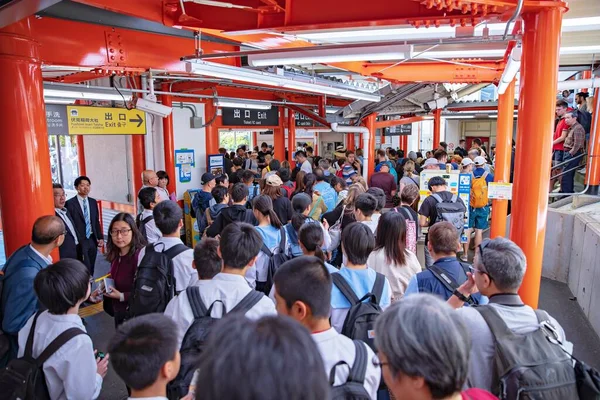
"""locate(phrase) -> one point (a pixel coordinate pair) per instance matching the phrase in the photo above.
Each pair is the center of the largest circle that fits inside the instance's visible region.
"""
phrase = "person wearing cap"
(202, 199)
(281, 204)
(466, 166)
(428, 211)
(431, 163)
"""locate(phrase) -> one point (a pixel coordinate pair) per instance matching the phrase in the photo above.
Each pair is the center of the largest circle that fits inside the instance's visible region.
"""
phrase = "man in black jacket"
(70, 247)
(237, 212)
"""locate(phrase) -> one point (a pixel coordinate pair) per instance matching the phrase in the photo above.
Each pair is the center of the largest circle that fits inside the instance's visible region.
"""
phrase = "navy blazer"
(76, 212)
(68, 249)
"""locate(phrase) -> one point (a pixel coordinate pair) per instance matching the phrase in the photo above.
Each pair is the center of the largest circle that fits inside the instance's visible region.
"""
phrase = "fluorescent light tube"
(511, 69)
(266, 78)
(84, 95)
(52, 100)
(241, 103)
(315, 55)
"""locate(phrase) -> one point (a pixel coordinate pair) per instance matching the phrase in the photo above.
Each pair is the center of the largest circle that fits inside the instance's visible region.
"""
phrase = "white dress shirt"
(334, 348)
(62, 213)
(152, 232)
(185, 274)
(81, 200)
(230, 289)
(71, 372)
(43, 257)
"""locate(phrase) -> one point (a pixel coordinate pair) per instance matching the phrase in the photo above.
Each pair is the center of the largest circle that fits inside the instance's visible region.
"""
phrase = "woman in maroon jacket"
(124, 244)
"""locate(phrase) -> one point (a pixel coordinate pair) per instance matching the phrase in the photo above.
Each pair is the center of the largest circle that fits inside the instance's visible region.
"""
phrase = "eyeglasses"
(482, 246)
(122, 232)
(377, 363)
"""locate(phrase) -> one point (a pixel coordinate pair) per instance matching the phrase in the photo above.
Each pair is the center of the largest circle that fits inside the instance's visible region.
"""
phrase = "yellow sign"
(105, 121)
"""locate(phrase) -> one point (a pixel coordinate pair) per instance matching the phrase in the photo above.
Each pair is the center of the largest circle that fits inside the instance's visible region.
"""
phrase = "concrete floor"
(555, 298)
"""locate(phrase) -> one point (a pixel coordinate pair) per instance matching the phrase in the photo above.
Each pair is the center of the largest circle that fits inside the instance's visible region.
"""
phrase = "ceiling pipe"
(579, 84)
(366, 134)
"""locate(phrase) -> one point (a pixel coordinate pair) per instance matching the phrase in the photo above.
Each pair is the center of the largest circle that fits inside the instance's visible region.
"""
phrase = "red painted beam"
(396, 122)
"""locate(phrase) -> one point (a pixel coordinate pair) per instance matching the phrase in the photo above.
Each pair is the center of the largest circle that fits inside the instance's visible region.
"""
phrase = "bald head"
(149, 178)
(46, 229)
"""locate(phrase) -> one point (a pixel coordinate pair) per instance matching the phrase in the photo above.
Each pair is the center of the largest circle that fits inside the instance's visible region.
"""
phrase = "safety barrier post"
(437, 122)
(169, 140)
(504, 135)
(291, 135)
(539, 74)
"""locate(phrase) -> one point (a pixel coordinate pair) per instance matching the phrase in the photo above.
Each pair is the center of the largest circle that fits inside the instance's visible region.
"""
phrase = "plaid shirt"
(575, 139)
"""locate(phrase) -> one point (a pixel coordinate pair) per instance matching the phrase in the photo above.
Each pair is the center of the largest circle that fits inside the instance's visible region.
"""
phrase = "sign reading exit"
(105, 121)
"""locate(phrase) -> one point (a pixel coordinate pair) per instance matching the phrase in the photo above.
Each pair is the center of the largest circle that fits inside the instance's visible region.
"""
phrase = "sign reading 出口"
(247, 117)
(105, 121)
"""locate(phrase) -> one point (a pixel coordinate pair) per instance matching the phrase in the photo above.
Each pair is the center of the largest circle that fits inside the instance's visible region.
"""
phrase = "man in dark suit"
(18, 301)
(70, 247)
(86, 218)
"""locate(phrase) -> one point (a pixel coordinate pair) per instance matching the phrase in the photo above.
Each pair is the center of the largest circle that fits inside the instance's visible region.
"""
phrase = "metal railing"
(559, 165)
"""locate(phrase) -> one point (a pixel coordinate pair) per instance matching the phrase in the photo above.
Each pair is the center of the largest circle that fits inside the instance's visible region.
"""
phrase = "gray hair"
(324, 163)
(475, 151)
(505, 263)
(422, 336)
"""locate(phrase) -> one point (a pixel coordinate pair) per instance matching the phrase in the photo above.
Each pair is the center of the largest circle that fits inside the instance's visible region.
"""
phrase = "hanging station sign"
(398, 130)
(304, 121)
(56, 119)
(105, 121)
(247, 117)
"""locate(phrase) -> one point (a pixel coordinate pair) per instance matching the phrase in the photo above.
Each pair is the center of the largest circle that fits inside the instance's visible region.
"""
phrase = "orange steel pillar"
(504, 136)
(539, 74)
(404, 144)
(169, 140)
(81, 155)
(212, 131)
(254, 140)
(586, 75)
(370, 151)
(593, 172)
(350, 145)
(279, 137)
(437, 122)
(291, 135)
(138, 150)
(27, 195)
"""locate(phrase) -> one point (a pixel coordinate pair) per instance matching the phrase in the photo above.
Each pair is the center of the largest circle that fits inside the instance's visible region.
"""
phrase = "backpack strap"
(404, 211)
(437, 197)
(448, 282)
(282, 241)
(29, 344)
(266, 250)
(359, 368)
(249, 301)
(176, 250)
(198, 307)
(378, 287)
(147, 219)
(57, 343)
(344, 287)
(454, 198)
(496, 324)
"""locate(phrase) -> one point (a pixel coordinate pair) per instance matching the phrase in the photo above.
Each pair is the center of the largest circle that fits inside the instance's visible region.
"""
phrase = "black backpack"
(452, 211)
(354, 388)
(275, 261)
(360, 321)
(23, 378)
(154, 283)
(196, 336)
(529, 366)
(141, 224)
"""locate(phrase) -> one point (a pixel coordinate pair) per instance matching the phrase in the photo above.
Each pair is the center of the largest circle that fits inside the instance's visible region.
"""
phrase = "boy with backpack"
(56, 356)
(253, 188)
(303, 292)
(355, 283)
(479, 210)
(220, 196)
(165, 267)
(207, 300)
(237, 212)
(145, 355)
(149, 198)
(442, 205)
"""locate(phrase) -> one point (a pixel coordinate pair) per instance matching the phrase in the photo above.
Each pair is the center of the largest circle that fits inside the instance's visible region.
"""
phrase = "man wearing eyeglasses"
(70, 247)
(19, 301)
(498, 270)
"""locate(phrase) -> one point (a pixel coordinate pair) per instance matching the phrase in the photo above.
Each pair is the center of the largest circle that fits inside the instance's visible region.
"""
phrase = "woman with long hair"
(390, 255)
(272, 187)
(122, 249)
(410, 177)
(299, 183)
(301, 205)
(271, 230)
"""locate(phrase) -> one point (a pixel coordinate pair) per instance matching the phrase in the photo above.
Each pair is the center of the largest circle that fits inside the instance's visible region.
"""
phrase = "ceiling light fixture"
(83, 94)
(510, 71)
(270, 79)
(242, 103)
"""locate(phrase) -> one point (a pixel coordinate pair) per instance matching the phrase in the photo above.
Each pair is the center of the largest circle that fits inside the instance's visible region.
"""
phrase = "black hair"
(439, 154)
(264, 205)
(247, 176)
(300, 203)
(57, 186)
(559, 103)
(379, 195)
(436, 181)
(141, 347)
(239, 192)
(264, 144)
(300, 153)
(47, 229)
(336, 180)
(220, 179)
(585, 95)
(162, 175)
(393, 153)
(238, 161)
(62, 285)
(366, 203)
(357, 242)
(309, 149)
(239, 244)
(78, 180)
(137, 239)
(307, 280)
(274, 165)
(311, 237)
(206, 258)
(419, 154)
(219, 193)
(309, 182)
(284, 174)
(147, 196)
(223, 150)
(391, 237)
(238, 347)
(477, 141)
(167, 215)
(319, 174)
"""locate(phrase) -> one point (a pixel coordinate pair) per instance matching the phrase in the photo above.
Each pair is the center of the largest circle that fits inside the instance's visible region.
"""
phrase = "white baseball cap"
(479, 160)
(431, 161)
(466, 162)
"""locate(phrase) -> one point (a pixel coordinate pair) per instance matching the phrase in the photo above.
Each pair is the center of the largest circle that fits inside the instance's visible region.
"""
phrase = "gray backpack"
(529, 366)
(451, 211)
(353, 388)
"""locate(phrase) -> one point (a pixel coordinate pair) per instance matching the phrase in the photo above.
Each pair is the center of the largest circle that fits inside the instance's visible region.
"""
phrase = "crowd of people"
(305, 285)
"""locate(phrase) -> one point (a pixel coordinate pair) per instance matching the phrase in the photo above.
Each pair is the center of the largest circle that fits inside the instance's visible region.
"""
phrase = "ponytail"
(311, 237)
(298, 220)
(264, 205)
(275, 222)
(319, 253)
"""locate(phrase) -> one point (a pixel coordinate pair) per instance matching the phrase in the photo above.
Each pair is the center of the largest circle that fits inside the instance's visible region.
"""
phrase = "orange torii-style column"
(279, 137)
(587, 74)
(138, 152)
(370, 151)
(504, 135)
(350, 145)
(27, 194)
(437, 122)
(169, 140)
(212, 131)
(291, 135)
(539, 74)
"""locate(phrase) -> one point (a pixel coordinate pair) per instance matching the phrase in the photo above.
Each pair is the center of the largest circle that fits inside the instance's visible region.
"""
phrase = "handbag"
(335, 232)
(312, 211)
